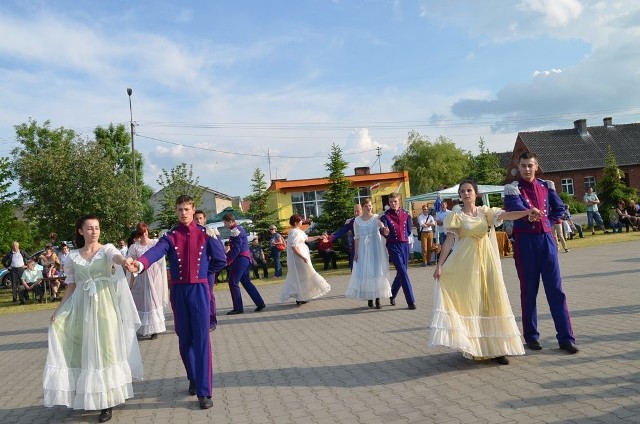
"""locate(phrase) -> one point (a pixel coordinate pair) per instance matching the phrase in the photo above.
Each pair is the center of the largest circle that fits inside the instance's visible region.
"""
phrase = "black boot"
(370, 303)
(105, 415)
(378, 303)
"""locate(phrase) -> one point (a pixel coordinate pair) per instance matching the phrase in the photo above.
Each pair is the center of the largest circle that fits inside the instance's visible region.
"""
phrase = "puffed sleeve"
(356, 231)
(68, 270)
(451, 222)
(296, 238)
(493, 215)
(111, 251)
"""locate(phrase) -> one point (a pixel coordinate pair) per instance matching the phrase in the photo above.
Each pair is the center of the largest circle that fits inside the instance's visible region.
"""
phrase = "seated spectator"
(325, 249)
(31, 282)
(258, 259)
(570, 228)
(625, 218)
(50, 265)
(614, 221)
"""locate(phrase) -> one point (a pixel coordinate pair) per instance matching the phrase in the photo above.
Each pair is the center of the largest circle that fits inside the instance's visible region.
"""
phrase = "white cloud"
(556, 12)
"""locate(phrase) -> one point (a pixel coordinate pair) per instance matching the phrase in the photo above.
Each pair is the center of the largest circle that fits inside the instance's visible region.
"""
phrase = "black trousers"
(16, 276)
(329, 256)
(256, 267)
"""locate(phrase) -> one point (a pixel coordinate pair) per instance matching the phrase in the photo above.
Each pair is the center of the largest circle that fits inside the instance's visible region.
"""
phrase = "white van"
(224, 232)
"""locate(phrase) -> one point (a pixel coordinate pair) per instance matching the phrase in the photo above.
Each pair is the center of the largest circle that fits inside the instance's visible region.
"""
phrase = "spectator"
(347, 229)
(50, 265)
(624, 217)
(64, 254)
(593, 216)
(31, 279)
(258, 259)
(123, 247)
(325, 249)
(426, 227)
(440, 216)
(614, 221)
(557, 232)
(277, 245)
(573, 228)
(15, 261)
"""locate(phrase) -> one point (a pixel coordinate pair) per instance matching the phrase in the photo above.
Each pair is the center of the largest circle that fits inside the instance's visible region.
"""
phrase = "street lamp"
(133, 150)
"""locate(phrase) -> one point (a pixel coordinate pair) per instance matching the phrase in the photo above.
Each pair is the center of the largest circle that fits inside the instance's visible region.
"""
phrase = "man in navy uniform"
(536, 253)
(239, 261)
(201, 219)
(192, 255)
(398, 232)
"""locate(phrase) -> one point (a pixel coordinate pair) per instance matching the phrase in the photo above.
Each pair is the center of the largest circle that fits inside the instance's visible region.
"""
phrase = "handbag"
(281, 246)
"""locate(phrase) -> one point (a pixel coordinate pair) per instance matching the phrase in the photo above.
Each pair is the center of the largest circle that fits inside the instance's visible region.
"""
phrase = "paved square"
(334, 360)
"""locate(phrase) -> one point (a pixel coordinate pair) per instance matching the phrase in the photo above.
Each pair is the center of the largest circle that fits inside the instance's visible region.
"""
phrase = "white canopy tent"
(452, 193)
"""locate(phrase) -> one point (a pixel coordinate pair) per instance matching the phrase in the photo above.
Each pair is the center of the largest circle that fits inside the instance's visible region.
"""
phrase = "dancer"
(370, 275)
(302, 282)
(398, 232)
(239, 262)
(93, 352)
(193, 256)
(536, 254)
(150, 289)
(471, 310)
(201, 219)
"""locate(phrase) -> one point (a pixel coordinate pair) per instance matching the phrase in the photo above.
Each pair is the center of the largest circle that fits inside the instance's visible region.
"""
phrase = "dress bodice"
(81, 271)
(472, 226)
(362, 228)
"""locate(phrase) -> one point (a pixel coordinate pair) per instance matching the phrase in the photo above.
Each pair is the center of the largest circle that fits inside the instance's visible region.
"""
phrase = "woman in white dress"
(302, 282)
(149, 289)
(93, 351)
(370, 273)
(471, 310)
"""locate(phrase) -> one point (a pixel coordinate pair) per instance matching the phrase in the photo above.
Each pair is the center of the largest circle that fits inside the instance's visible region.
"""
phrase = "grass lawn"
(8, 307)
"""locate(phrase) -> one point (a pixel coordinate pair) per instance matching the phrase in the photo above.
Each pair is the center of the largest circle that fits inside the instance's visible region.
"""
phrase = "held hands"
(131, 265)
(385, 231)
(535, 215)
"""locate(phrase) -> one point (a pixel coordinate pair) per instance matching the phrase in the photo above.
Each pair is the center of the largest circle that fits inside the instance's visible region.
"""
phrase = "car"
(5, 278)
(225, 232)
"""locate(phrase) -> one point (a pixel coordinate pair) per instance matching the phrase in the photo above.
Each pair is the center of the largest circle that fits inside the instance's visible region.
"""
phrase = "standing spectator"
(559, 236)
(50, 264)
(302, 282)
(325, 249)
(536, 254)
(426, 227)
(593, 216)
(370, 277)
(201, 219)
(277, 245)
(193, 255)
(16, 262)
(347, 229)
(440, 216)
(258, 259)
(398, 232)
(149, 289)
(123, 247)
(93, 352)
(31, 281)
(64, 254)
(472, 311)
(239, 260)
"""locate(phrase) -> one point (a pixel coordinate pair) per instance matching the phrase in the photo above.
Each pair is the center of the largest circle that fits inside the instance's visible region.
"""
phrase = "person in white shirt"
(426, 226)
(440, 216)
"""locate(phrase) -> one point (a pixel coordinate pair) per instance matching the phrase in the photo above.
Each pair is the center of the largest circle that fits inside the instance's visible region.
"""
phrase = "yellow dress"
(471, 308)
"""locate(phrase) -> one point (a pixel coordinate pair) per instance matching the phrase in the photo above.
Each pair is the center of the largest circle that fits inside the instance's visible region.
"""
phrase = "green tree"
(611, 187)
(259, 211)
(63, 177)
(115, 140)
(176, 182)
(431, 165)
(339, 196)
(11, 229)
(485, 168)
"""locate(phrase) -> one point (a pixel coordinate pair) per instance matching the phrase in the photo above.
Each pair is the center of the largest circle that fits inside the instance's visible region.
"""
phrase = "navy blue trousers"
(399, 256)
(239, 273)
(536, 255)
(191, 309)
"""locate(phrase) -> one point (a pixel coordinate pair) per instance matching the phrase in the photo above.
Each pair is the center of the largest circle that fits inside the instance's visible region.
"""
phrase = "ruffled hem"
(152, 322)
(315, 287)
(90, 389)
(366, 290)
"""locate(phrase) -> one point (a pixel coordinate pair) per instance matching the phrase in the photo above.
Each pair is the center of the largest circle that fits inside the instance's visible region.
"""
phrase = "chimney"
(362, 170)
(581, 126)
(608, 122)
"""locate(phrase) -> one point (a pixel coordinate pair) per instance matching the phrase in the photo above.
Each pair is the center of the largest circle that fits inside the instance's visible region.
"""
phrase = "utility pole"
(379, 154)
(134, 170)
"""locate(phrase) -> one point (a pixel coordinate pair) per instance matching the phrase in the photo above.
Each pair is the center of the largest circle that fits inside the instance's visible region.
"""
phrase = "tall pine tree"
(259, 211)
(611, 187)
(339, 196)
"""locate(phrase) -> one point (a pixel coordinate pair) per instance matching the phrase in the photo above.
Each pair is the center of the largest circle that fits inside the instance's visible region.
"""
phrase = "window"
(589, 182)
(363, 192)
(567, 185)
(308, 203)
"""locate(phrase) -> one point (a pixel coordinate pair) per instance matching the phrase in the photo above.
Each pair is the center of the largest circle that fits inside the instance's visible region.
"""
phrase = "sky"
(231, 86)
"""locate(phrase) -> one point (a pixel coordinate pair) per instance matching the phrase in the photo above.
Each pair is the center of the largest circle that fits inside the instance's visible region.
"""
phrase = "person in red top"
(325, 249)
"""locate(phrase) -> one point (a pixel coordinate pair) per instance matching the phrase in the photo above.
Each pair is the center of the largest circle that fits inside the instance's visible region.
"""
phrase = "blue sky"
(221, 84)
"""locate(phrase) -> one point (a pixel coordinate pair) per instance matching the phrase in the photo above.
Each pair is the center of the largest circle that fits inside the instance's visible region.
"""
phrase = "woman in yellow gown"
(471, 308)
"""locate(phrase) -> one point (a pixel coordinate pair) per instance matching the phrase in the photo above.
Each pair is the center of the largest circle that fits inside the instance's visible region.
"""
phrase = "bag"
(281, 246)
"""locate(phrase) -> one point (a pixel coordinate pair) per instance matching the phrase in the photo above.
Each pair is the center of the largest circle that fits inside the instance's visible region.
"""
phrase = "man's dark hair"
(201, 212)
(185, 198)
(229, 217)
(528, 155)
